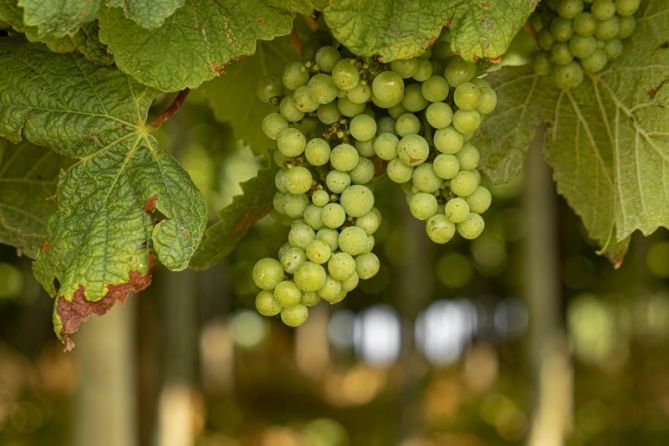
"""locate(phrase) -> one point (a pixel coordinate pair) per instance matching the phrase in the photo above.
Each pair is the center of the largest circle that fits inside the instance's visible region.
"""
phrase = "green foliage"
(147, 13)
(58, 18)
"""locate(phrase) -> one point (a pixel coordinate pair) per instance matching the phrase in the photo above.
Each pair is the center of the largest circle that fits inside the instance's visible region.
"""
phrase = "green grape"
(595, 63)
(331, 290)
(369, 222)
(459, 71)
(448, 140)
(300, 235)
(333, 215)
(423, 70)
(329, 236)
(345, 74)
(472, 227)
(425, 179)
(322, 88)
(480, 200)
(466, 96)
(291, 142)
(267, 272)
(352, 240)
(320, 198)
(294, 205)
(603, 9)
(446, 166)
(303, 100)
(423, 205)
(439, 115)
(318, 251)
(310, 299)
(464, 183)
(280, 180)
(585, 24)
(413, 99)
(396, 111)
(404, 67)
(298, 180)
(439, 229)
(337, 181)
(363, 172)
(627, 7)
(344, 157)
(369, 246)
(613, 49)
(312, 217)
(608, 29)
(536, 22)
(545, 40)
(289, 111)
(386, 125)
(569, 76)
(341, 266)
(466, 122)
(388, 89)
(348, 108)
(327, 57)
(569, 9)
(482, 83)
(385, 146)
(435, 89)
(488, 101)
(269, 90)
(560, 54)
(357, 200)
(398, 172)
(294, 316)
(295, 75)
(626, 27)
(266, 305)
(279, 202)
(582, 47)
(315, 41)
(360, 94)
(309, 276)
(456, 210)
(562, 29)
(542, 63)
(413, 150)
(317, 152)
(407, 124)
(362, 127)
(272, 124)
(367, 265)
(468, 157)
(287, 294)
(365, 148)
(351, 283)
(328, 113)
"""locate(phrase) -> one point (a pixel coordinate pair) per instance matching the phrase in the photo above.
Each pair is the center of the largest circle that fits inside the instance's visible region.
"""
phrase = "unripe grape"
(294, 316)
(435, 89)
(348, 108)
(322, 88)
(294, 205)
(488, 101)
(369, 222)
(297, 180)
(542, 64)
(333, 215)
(289, 111)
(439, 115)
(295, 75)
(360, 94)
(362, 127)
(446, 166)
(423, 205)
(413, 99)
(327, 57)
(320, 198)
(357, 200)
(582, 47)
(352, 240)
(608, 29)
(341, 265)
(291, 142)
(269, 90)
(318, 251)
(464, 183)
(545, 40)
(626, 27)
(585, 24)
(345, 74)
(386, 125)
(310, 299)
(286, 293)
(472, 227)
(312, 217)
(480, 200)
(309, 276)
(351, 283)
(329, 236)
(385, 146)
(344, 157)
(468, 157)
(407, 124)
(300, 235)
(459, 71)
(331, 290)
(456, 210)
(328, 113)
(405, 68)
(267, 273)
(603, 9)
(317, 152)
(425, 179)
(399, 172)
(367, 265)
(569, 76)
(396, 111)
(613, 49)
(595, 63)
(466, 122)
(562, 29)
(423, 70)
(466, 96)
(448, 140)
(569, 9)
(627, 7)
(337, 181)
(363, 172)
(365, 148)
(439, 229)
(272, 124)
(388, 89)
(413, 150)
(560, 54)
(266, 304)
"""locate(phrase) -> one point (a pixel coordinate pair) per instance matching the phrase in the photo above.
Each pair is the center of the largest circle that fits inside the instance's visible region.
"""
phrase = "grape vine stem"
(172, 109)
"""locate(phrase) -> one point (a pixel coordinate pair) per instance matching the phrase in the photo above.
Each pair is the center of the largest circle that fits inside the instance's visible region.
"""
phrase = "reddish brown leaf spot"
(295, 41)
(150, 204)
(45, 246)
(73, 313)
(432, 40)
(485, 5)
(495, 60)
(216, 67)
(652, 93)
(260, 20)
(249, 218)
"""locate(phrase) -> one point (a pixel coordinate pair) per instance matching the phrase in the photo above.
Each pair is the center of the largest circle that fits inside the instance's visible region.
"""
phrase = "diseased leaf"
(28, 176)
(123, 199)
(236, 220)
(147, 13)
(194, 45)
(403, 29)
(608, 142)
(238, 87)
(58, 18)
(298, 6)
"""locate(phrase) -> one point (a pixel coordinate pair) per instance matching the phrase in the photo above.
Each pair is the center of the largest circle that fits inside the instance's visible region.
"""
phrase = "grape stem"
(172, 109)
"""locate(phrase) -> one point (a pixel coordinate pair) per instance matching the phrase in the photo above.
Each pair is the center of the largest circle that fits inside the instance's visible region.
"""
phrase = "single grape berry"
(269, 90)
(345, 74)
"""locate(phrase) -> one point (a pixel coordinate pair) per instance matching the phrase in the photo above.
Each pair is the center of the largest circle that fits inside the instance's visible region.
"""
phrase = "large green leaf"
(122, 200)
(233, 97)
(194, 44)
(58, 18)
(299, 6)
(608, 142)
(399, 29)
(28, 176)
(147, 13)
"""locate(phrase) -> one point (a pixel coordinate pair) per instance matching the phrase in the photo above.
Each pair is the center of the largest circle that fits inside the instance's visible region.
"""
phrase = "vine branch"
(172, 109)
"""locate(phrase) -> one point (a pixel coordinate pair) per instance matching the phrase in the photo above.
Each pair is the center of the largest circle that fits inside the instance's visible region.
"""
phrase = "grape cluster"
(341, 120)
(581, 36)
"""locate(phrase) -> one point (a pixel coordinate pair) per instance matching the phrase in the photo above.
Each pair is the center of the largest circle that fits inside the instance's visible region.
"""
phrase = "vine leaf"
(192, 46)
(238, 87)
(58, 18)
(403, 29)
(147, 13)
(608, 142)
(123, 199)
(236, 220)
(28, 175)
(298, 6)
